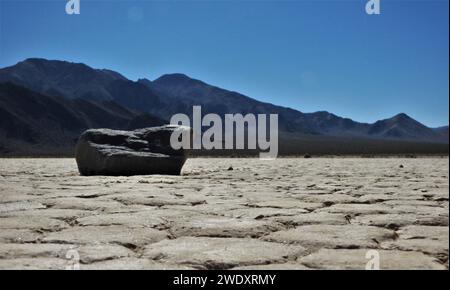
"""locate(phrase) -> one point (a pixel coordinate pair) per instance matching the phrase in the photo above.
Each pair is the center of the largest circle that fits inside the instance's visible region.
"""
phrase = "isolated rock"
(140, 152)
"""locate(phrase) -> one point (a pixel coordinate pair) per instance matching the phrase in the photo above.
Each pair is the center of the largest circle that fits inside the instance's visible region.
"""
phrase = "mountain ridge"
(177, 93)
(35, 123)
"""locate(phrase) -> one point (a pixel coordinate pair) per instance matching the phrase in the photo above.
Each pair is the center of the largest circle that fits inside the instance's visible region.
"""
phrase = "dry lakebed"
(288, 213)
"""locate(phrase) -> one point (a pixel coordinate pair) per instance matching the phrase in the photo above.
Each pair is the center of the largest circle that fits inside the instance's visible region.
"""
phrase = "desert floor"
(319, 213)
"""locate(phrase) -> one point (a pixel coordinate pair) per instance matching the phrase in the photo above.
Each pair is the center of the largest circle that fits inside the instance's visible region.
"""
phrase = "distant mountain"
(72, 80)
(443, 131)
(145, 120)
(76, 97)
(182, 89)
(34, 123)
(182, 92)
(402, 126)
(77, 80)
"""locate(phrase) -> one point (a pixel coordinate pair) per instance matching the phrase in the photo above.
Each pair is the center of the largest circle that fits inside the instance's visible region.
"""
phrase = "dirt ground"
(289, 213)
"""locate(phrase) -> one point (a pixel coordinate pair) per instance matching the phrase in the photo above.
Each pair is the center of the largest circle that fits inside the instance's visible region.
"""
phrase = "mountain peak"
(402, 116)
(173, 78)
(43, 61)
(144, 81)
(57, 77)
(33, 60)
(58, 64)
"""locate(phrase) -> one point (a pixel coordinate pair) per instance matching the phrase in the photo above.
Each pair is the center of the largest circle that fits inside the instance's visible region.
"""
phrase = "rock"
(124, 153)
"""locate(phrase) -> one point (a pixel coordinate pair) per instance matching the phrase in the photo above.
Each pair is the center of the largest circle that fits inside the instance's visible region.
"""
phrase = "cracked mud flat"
(323, 213)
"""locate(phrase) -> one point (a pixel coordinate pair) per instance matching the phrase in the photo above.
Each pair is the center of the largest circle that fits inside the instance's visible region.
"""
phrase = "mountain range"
(46, 104)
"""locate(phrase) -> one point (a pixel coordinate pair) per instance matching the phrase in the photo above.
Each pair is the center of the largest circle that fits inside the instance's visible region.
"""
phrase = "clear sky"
(308, 55)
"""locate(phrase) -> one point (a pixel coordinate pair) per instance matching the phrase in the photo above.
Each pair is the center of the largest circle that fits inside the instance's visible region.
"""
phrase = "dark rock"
(230, 168)
(307, 155)
(140, 152)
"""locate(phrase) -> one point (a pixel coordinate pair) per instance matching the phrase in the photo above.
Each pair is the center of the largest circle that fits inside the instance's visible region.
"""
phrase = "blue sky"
(308, 55)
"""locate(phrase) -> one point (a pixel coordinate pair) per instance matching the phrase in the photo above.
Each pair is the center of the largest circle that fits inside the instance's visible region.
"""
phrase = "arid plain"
(288, 213)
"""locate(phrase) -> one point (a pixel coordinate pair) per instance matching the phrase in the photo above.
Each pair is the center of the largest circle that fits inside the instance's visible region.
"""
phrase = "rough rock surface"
(140, 152)
(317, 213)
